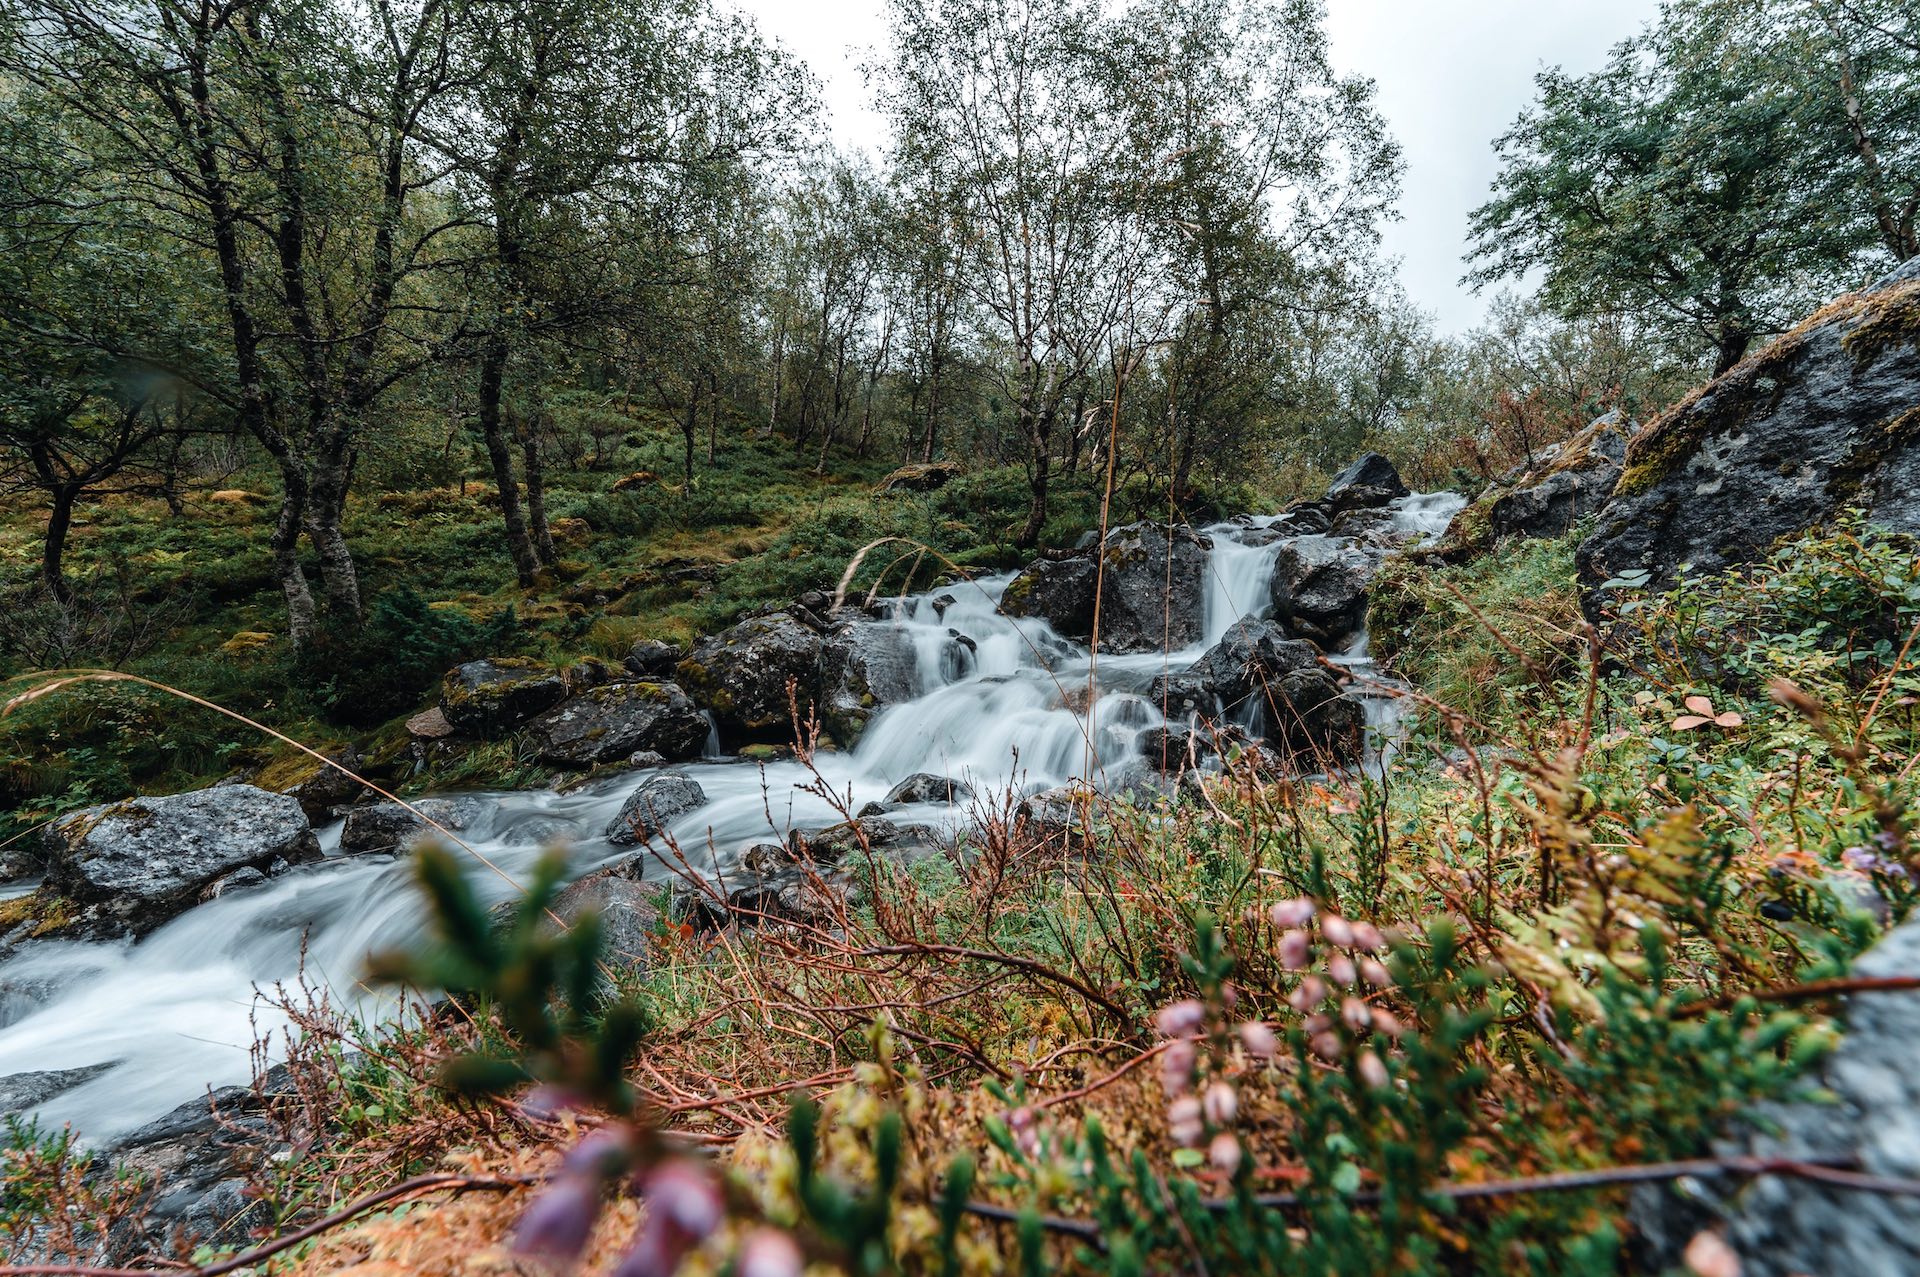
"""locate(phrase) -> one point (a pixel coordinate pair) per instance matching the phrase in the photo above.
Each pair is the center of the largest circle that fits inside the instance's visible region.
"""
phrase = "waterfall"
(177, 1011)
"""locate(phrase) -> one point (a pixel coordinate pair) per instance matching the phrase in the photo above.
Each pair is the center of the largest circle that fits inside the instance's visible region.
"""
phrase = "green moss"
(45, 910)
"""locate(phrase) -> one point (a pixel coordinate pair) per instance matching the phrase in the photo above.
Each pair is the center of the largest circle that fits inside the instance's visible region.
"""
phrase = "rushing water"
(178, 1011)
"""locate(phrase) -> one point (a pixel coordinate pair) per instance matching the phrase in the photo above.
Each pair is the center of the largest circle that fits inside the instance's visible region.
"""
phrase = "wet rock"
(1250, 657)
(864, 667)
(608, 724)
(860, 836)
(238, 880)
(145, 859)
(391, 827)
(652, 659)
(22, 1091)
(629, 914)
(486, 697)
(1056, 817)
(1566, 486)
(1184, 696)
(1152, 591)
(1370, 481)
(1258, 676)
(1319, 589)
(1057, 591)
(922, 477)
(197, 1164)
(925, 787)
(653, 807)
(743, 676)
(1172, 749)
(327, 787)
(1869, 1116)
(1824, 419)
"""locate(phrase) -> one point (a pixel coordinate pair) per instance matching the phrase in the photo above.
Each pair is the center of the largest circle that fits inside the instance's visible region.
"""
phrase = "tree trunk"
(1037, 511)
(326, 504)
(541, 534)
(690, 430)
(1733, 348)
(493, 431)
(286, 558)
(59, 520)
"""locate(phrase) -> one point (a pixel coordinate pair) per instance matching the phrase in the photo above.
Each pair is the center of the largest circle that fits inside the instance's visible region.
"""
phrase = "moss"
(47, 911)
(1891, 317)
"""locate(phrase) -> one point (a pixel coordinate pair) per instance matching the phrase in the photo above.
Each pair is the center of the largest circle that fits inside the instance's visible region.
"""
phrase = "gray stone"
(391, 827)
(629, 914)
(1780, 1226)
(744, 675)
(488, 696)
(609, 724)
(653, 659)
(1370, 481)
(925, 787)
(1824, 419)
(864, 667)
(653, 807)
(1319, 589)
(1151, 586)
(146, 859)
(329, 787)
(22, 1091)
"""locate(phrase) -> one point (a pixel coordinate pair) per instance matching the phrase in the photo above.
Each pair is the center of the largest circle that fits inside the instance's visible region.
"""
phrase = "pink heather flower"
(1375, 973)
(1337, 930)
(1026, 1132)
(1180, 1019)
(1224, 1152)
(1291, 913)
(1259, 1040)
(601, 1154)
(1176, 1066)
(1385, 1022)
(1183, 1121)
(1296, 950)
(1327, 1046)
(1356, 1014)
(1229, 996)
(556, 1224)
(1310, 994)
(1372, 1071)
(683, 1193)
(1366, 936)
(1341, 968)
(1221, 1104)
(768, 1252)
(1317, 1023)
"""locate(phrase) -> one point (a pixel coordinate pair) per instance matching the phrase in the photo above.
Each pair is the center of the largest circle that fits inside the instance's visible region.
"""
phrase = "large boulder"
(921, 476)
(1251, 656)
(743, 676)
(1824, 419)
(1866, 1114)
(1151, 585)
(1573, 485)
(393, 827)
(489, 696)
(652, 808)
(629, 914)
(1370, 481)
(611, 723)
(1319, 588)
(146, 859)
(1276, 687)
(864, 667)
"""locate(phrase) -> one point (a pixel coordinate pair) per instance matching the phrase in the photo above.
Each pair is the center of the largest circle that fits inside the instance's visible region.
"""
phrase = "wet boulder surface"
(866, 666)
(652, 808)
(612, 722)
(486, 697)
(1150, 584)
(393, 827)
(1320, 588)
(752, 676)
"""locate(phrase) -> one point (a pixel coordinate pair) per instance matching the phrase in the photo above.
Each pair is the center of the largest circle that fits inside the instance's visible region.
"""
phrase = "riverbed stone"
(608, 724)
(744, 674)
(652, 808)
(393, 827)
(145, 859)
(629, 914)
(866, 666)
(1369, 481)
(1319, 589)
(1151, 583)
(486, 697)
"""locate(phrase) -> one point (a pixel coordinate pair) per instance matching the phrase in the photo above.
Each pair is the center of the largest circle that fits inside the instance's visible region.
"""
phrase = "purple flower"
(1259, 1040)
(1291, 913)
(1176, 1066)
(1180, 1019)
(557, 1223)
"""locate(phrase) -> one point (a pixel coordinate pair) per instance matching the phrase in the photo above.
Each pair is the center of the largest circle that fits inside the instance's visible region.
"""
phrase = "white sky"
(1452, 76)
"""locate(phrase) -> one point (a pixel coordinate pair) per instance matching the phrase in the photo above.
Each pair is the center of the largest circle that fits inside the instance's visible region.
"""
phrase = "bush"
(364, 678)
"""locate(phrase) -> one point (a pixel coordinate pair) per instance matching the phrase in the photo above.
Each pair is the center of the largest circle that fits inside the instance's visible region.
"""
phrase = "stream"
(178, 1011)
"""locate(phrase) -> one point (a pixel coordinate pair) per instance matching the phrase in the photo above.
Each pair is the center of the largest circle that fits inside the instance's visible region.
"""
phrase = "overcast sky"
(1452, 75)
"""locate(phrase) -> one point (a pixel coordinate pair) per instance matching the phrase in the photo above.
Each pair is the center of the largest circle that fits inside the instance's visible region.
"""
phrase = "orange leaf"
(1729, 719)
(1687, 722)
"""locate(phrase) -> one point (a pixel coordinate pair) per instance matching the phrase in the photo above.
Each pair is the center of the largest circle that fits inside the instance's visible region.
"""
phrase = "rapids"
(179, 1011)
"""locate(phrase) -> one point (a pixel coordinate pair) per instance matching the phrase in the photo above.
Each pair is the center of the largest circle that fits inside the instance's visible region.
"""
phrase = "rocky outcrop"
(1369, 482)
(1567, 487)
(1259, 677)
(1869, 1117)
(629, 914)
(1320, 586)
(1151, 585)
(652, 808)
(866, 666)
(486, 697)
(743, 676)
(143, 860)
(392, 827)
(609, 724)
(1250, 657)
(652, 659)
(1825, 419)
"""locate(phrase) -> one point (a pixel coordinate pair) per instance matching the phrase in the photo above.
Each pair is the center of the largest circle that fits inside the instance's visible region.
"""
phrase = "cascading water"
(167, 1017)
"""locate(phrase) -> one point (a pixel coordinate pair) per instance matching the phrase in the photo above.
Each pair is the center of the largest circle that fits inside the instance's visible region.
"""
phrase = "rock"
(925, 787)
(653, 807)
(1056, 817)
(1251, 656)
(1567, 486)
(1370, 481)
(196, 1163)
(1171, 749)
(391, 827)
(1275, 685)
(922, 477)
(430, 724)
(1184, 697)
(860, 836)
(22, 1091)
(486, 697)
(1319, 589)
(1780, 1226)
(864, 667)
(1152, 597)
(643, 759)
(652, 659)
(146, 859)
(743, 676)
(610, 723)
(1824, 419)
(238, 880)
(629, 915)
(326, 787)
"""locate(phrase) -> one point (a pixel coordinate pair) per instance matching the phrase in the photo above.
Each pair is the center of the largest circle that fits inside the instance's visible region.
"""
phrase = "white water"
(178, 1011)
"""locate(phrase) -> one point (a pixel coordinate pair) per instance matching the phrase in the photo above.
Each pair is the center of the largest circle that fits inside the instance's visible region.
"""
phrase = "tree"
(1867, 53)
(1683, 181)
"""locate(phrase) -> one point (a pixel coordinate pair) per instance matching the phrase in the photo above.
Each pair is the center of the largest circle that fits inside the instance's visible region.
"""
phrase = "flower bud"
(1384, 1021)
(1317, 1023)
(1183, 1121)
(1180, 1019)
(768, 1252)
(1337, 930)
(1327, 1046)
(1366, 936)
(1224, 1152)
(1222, 1103)
(1356, 1014)
(1296, 950)
(556, 1224)
(1375, 973)
(1177, 1060)
(1259, 1040)
(1341, 968)
(600, 1154)
(1311, 992)
(684, 1194)
(1372, 1071)
(1291, 913)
